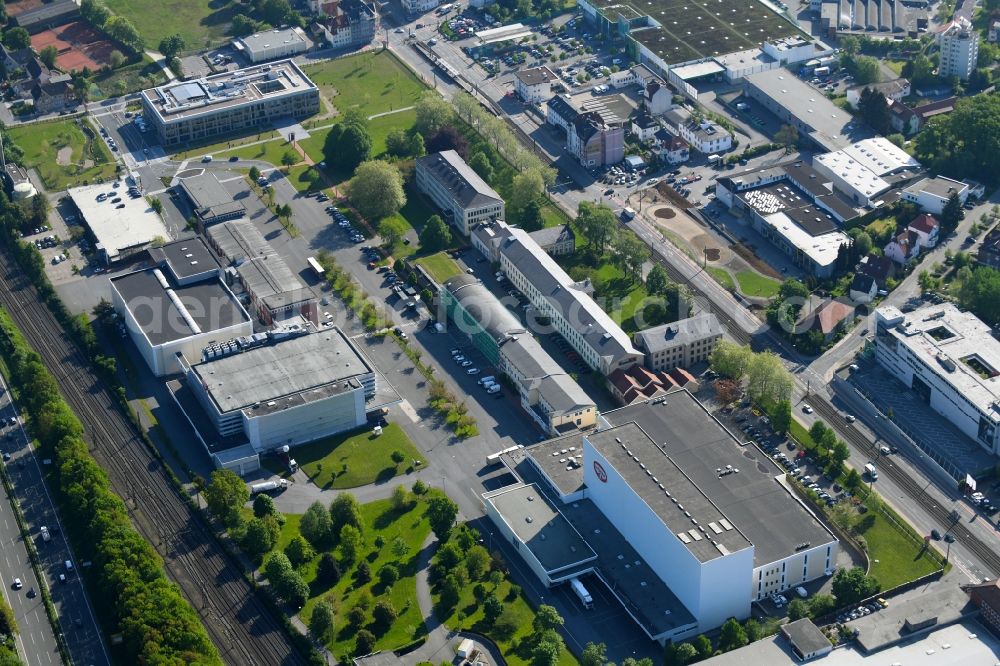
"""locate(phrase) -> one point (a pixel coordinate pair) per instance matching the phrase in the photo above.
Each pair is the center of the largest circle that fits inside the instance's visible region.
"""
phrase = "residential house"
(622, 78)
(894, 91)
(594, 142)
(828, 318)
(534, 85)
(644, 126)
(636, 383)
(879, 268)
(558, 240)
(989, 249)
(657, 97)
(959, 43)
(670, 148)
(903, 119)
(464, 197)
(863, 288)
(927, 228)
(703, 136)
(904, 247)
(927, 111)
(53, 94)
(344, 24)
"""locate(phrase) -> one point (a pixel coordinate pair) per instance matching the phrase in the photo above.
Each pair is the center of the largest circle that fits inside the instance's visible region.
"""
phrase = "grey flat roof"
(463, 184)
(699, 327)
(805, 636)
(264, 271)
(269, 37)
(786, 197)
(210, 305)
(938, 186)
(209, 198)
(537, 523)
(116, 229)
(535, 75)
(293, 371)
(551, 457)
(888, 627)
(753, 501)
(185, 257)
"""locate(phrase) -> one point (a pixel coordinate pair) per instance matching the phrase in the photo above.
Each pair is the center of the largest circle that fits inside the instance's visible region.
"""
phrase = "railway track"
(903, 480)
(241, 626)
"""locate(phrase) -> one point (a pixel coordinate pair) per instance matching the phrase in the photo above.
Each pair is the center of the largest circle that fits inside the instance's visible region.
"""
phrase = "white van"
(487, 380)
(495, 388)
(44, 531)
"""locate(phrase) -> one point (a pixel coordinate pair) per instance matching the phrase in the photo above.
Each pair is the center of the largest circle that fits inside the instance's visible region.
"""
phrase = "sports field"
(694, 29)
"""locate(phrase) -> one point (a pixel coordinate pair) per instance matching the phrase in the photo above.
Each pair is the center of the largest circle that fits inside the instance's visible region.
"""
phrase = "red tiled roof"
(925, 223)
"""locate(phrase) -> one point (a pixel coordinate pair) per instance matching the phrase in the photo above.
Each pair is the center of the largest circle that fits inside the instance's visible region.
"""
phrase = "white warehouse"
(951, 360)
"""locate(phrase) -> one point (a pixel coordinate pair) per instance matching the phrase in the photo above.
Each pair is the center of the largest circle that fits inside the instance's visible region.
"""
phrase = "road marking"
(409, 411)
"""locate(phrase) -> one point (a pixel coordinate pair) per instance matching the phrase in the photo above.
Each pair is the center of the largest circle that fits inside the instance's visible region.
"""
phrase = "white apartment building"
(951, 360)
(704, 137)
(959, 44)
(534, 85)
(464, 197)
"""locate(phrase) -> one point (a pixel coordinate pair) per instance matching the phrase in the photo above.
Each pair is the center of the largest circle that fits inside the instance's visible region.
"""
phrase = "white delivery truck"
(871, 472)
(581, 592)
(268, 486)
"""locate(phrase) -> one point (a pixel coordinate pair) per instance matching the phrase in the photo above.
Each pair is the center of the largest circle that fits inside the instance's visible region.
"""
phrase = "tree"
(821, 604)
(400, 143)
(416, 146)
(817, 430)
(299, 551)
(441, 513)
(316, 525)
(853, 585)
(226, 495)
(377, 190)
(156, 205)
(254, 173)
(16, 39)
(531, 217)
(123, 31)
(788, 137)
(865, 69)
(679, 654)
(767, 379)
(348, 144)
(449, 592)
(850, 45)
(116, 59)
(435, 235)
(966, 142)
(732, 635)
(242, 26)
(289, 158)
(874, 110)
(797, 609)
(171, 46)
(384, 613)
(492, 608)
(447, 138)
(852, 480)
(48, 56)
(364, 642)
(526, 187)
(260, 535)
(392, 231)
(321, 621)
(481, 165)
(731, 360)
(263, 505)
(597, 224)
(951, 214)
(344, 510)
(630, 253)
(327, 571)
(594, 654)
(546, 617)
(754, 631)
(702, 646)
(433, 113)
(477, 562)
(862, 244)
(657, 281)
(781, 417)
(547, 648)
(350, 543)
(980, 293)
(841, 452)
(278, 12)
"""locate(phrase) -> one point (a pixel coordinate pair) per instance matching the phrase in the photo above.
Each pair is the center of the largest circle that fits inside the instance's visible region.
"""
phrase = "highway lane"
(76, 618)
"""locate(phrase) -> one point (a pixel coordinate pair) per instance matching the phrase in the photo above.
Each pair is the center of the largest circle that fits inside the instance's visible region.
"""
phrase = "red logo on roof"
(599, 471)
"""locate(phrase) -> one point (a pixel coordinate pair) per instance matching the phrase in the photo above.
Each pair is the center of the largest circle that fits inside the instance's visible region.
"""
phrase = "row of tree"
(767, 381)
(118, 28)
(129, 584)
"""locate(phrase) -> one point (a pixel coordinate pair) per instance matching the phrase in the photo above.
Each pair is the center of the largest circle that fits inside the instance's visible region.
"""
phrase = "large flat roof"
(197, 308)
(186, 257)
(268, 38)
(540, 526)
(288, 372)
(116, 229)
(754, 501)
(209, 198)
(956, 346)
(177, 100)
(556, 459)
(821, 249)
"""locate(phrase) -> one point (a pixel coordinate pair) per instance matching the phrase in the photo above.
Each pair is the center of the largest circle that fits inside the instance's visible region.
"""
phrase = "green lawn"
(895, 559)
(722, 276)
(377, 519)
(124, 80)
(269, 151)
(89, 162)
(227, 146)
(755, 284)
(197, 22)
(356, 459)
(370, 83)
(440, 266)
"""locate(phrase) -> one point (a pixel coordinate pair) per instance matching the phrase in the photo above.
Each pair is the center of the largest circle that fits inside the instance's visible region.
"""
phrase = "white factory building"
(272, 44)
(951, 360)
(178, 307)
(283, 388)
(122, 226)
(866, 169)
(686, 530)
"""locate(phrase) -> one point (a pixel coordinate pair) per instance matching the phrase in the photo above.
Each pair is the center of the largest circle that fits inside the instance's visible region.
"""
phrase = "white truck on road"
(268, 486)
(581, 592)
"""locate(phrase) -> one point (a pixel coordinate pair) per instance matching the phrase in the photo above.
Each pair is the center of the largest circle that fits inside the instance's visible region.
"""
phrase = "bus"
(317, 269)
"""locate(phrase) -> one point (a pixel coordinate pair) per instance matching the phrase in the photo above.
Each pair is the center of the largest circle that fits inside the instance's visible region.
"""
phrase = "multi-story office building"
(959, 44)
(680, 344)
(202, 109)
(951, 360)
(457, 190)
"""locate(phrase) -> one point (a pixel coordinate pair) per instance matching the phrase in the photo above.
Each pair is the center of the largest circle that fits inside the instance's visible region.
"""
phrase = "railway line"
(242, 628)
(903, 480)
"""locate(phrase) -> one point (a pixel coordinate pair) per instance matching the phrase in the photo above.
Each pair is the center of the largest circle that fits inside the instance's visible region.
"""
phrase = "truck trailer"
(268, 486)
(581, 592)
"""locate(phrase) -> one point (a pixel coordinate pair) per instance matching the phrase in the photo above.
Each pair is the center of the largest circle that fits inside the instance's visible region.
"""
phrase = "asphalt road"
(76, 619)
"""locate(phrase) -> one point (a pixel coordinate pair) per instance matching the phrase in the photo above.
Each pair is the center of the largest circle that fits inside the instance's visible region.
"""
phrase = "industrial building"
(227, 103)
(272, 44)
(179, 307)
(570, 306)
(283, 388)
(273, 292)
(548, 394)
(122, 226)
(805, 108)
(464, 197)
(680, 344)
(695, 511)
(866, 170)
(931, 194)
(951, 360)
(210, 200)
(959, 43)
